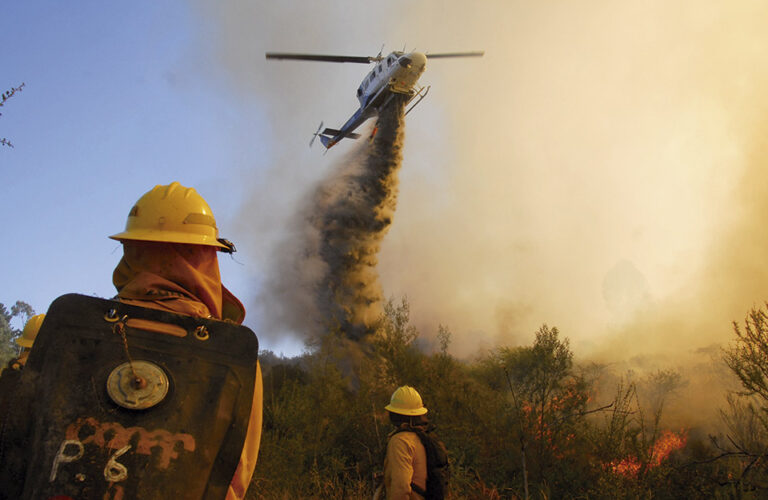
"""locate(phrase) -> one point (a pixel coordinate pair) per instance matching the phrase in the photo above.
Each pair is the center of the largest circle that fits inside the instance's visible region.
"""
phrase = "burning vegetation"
(519, 422)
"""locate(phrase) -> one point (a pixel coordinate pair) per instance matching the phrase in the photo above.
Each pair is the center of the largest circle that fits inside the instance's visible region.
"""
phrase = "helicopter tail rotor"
(314, 136)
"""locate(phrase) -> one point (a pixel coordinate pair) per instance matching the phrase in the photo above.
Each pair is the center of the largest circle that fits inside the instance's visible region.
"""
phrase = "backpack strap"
(409, 428)
(415, 487)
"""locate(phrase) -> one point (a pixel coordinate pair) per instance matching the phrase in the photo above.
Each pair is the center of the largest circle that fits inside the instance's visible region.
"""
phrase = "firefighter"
(28, 336)
(9, 374)
(25, 341)
(405, 466)
(169, 262)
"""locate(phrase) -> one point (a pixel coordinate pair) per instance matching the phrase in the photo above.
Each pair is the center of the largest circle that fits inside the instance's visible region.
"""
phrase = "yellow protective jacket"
(406, 463)
(185, 279)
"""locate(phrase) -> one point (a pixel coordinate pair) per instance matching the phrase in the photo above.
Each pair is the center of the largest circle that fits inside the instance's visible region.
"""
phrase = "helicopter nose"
(419, 61)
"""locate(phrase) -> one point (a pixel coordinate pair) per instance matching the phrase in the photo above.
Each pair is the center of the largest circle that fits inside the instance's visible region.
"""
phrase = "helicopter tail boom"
(333, 132)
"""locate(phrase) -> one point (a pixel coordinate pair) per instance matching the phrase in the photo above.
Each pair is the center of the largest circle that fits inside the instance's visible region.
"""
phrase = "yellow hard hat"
(173, 214)
(29, 334)
(406, 401)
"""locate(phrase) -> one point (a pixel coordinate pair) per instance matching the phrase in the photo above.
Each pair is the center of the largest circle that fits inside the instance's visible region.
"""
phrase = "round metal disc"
(128, 392)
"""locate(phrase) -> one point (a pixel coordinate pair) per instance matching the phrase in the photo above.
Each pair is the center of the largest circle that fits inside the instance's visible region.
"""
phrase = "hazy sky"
(600, 169)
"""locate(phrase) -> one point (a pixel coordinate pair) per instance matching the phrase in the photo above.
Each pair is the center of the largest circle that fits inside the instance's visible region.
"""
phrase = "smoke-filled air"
(599, 169)
(598, 175)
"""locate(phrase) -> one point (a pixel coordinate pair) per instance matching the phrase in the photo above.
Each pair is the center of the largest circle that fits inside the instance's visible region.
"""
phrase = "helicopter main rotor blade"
(320, 57)
(455, 54)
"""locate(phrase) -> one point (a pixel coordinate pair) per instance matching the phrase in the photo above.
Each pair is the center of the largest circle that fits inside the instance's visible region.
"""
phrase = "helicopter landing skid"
(422, 93)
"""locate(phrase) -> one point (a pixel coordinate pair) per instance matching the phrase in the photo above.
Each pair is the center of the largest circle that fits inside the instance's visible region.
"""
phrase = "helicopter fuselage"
(398, 73)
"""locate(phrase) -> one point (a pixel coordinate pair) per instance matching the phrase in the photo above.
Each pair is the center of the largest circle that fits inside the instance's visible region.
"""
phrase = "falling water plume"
(326, 277)
(352, 222)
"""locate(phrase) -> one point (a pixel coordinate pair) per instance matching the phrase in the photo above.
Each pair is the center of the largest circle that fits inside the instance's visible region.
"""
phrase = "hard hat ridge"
(174, 214)
(406, 401)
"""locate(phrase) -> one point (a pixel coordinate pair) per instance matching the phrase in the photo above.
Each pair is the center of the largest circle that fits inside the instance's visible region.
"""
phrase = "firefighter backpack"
(123, 402)
(438, 469)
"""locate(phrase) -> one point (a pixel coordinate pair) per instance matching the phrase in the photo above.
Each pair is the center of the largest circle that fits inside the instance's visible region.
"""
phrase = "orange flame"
(536, 418)
(659, 451)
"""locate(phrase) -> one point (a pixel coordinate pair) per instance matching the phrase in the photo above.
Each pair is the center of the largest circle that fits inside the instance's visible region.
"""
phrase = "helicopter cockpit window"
(389, 61)
(405, 62)
(359, 91)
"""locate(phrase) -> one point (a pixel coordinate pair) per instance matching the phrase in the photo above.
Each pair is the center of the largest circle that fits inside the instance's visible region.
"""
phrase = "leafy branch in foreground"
(748, 356)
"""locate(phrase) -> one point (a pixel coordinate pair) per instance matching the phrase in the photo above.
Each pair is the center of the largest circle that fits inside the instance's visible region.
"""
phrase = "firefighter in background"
(11, 374)
(405, 465)
(27, 337)
(24, 341)
(169, 262)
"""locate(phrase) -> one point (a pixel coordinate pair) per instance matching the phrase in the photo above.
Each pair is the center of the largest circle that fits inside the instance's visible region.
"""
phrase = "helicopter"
(395, 74)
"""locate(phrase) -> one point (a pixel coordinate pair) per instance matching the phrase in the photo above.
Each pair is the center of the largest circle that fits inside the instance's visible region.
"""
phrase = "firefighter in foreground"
(169, 262)
(405, 467)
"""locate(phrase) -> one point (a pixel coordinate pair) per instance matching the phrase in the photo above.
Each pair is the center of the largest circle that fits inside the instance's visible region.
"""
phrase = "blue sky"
(116, 99)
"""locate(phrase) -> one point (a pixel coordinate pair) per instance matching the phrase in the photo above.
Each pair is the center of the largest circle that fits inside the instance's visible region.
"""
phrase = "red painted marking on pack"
(112, 435)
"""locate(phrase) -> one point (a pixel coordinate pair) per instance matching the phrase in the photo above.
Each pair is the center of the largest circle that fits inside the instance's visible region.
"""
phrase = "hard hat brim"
(167, 237)
(410, 413)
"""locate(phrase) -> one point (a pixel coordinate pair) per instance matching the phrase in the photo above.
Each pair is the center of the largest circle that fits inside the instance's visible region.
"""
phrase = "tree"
(393, 341)
(745, 446)
(549, 401)
(748, 356)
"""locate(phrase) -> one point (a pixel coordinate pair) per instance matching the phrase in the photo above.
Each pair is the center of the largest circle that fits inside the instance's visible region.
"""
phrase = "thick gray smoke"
(326, 275)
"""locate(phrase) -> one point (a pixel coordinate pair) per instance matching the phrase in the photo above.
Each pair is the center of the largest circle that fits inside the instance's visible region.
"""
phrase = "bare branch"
(9, 93)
